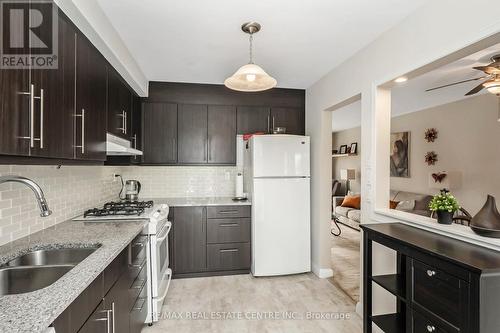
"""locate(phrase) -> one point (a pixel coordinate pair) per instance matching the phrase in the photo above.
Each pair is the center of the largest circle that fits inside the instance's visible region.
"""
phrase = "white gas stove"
(157, 230)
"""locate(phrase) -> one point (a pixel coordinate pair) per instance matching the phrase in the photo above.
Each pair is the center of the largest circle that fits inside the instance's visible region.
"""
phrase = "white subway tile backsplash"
(196, 181)
(69, 190)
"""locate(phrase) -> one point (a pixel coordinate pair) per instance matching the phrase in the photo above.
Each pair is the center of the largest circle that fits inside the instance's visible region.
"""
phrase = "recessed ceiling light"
(401, 79)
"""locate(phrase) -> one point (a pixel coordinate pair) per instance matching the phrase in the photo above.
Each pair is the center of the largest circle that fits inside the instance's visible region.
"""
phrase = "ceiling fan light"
(250, 77)
(493, 87)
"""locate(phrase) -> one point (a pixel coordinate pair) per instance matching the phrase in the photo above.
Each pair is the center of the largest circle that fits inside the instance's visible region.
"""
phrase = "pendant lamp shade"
(249, 78)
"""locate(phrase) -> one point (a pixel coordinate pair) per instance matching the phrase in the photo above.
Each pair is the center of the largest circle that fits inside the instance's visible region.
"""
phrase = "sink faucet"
(40, 198)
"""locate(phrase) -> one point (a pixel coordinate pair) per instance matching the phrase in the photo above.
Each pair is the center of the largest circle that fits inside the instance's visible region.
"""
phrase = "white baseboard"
(322, 273)
(359, 309)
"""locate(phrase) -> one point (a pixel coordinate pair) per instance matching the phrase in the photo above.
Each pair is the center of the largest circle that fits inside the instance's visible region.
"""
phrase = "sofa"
(409, 202)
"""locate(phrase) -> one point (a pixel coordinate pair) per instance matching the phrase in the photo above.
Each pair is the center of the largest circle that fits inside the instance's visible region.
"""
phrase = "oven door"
(162, 274)
(162, 255)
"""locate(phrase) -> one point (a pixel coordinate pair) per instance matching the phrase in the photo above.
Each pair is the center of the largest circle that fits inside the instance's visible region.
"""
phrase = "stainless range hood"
(117, 146)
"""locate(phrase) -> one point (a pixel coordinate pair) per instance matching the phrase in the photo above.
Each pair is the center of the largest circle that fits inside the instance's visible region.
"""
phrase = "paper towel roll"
(239, 185)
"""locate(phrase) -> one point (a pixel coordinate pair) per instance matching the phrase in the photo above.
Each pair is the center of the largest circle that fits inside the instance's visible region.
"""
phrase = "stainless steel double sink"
(39, 269)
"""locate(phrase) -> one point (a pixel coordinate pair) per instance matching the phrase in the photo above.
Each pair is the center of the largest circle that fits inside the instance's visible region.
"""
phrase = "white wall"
(347, 137)
(68, 190)
(467, 142)
(434, 31)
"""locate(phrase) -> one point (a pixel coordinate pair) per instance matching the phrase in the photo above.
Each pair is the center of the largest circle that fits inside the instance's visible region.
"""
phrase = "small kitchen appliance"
(132, 190)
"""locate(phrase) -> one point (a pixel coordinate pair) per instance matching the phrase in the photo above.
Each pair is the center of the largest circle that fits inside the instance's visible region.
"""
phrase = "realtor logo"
(29, 34)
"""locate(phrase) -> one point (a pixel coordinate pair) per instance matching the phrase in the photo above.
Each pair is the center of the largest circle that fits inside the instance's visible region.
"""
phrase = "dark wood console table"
(441, 284)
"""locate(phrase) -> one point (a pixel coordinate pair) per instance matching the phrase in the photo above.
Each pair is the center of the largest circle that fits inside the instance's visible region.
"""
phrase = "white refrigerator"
(277, 179)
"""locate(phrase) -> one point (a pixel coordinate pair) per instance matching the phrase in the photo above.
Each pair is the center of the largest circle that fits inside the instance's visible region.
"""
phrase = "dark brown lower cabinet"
(190, 239)
(211, 240)
(115, 302)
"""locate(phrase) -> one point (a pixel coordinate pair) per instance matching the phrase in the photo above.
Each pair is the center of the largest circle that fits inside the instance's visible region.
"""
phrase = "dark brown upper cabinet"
(192, 134)
(221, 134)
(159, 133)
(252, 119)
(90, 116)
(15, 112)
(293, 119)
(36, 106)
(119, 105)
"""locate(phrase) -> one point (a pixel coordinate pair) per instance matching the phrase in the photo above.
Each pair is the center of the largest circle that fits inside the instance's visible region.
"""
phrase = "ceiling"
(200, 41)
(411, 95)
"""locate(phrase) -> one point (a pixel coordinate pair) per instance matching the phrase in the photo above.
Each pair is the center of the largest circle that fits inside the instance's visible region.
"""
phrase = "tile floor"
(247, 297)
(345, 256)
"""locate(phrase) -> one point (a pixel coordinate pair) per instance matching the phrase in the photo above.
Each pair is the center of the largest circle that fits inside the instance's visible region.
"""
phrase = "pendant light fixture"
(250, 77)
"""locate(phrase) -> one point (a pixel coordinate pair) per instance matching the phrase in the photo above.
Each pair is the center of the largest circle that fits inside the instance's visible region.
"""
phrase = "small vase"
(487, 221)
(445, 217)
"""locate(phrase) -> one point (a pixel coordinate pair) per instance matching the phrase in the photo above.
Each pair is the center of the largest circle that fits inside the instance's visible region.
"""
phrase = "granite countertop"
(35, 311)
(213, 201)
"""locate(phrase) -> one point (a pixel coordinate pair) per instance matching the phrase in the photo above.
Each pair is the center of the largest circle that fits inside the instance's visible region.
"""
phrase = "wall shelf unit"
(344, 155)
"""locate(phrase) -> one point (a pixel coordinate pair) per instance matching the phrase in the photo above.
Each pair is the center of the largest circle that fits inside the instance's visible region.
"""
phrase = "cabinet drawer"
(222, 212)
(423, 324)
(231, 256)
(138, 246)
(115, 269)
(440, 293)
(228, 230)
(139, 312)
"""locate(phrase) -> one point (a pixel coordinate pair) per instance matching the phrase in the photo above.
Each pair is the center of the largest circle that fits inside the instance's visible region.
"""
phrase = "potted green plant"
(445, 205)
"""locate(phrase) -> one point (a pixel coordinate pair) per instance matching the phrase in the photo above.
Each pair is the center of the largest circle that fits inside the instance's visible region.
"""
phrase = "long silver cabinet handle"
(82, 116)
(113, 310)
(268, 124)
(228, 250)
(31, 94)
(41, 99)
(41, 118)
(125, 122)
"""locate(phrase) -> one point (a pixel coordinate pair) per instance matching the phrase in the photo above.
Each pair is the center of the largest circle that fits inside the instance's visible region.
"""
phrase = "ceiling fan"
(492, 78)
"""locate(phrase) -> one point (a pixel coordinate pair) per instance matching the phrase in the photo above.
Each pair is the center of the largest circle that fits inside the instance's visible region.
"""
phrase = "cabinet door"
(14, 112)
(160, 133)
(54, 99)
(252, 119)
(117, 105)
(221, 134)
(192, 127)
(14, 105)
(90, 102)
(190, 241)
(118, 302)
(293, 119)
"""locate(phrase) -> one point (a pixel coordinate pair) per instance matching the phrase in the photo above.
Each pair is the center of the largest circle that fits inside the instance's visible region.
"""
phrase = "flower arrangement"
(445, 202)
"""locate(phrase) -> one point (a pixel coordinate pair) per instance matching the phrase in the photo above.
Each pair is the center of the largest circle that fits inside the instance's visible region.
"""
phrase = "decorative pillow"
(353, 201)
(423, 204)
(393, 204)
(406, 205)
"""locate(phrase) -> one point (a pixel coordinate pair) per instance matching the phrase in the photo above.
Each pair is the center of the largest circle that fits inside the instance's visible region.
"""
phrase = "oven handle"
(167, 227)
(162, 297)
